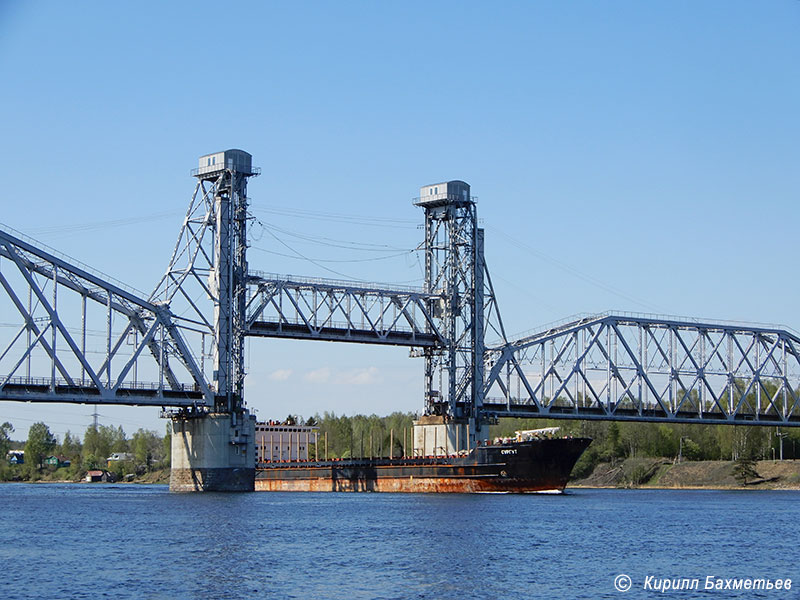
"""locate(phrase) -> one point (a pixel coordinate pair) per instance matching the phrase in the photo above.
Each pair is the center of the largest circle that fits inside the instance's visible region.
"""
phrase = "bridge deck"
(394, 337)
(139, 395)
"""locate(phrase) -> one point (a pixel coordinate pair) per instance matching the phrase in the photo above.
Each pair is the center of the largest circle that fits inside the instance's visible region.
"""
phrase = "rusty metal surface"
(404, 485)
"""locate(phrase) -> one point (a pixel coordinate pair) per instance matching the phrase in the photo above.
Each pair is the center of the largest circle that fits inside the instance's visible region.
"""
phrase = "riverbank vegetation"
(362, 435)
(46, 458)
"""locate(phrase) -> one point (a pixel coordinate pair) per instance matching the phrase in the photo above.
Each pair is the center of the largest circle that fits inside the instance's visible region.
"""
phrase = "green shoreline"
(654, 473)
(160, 476)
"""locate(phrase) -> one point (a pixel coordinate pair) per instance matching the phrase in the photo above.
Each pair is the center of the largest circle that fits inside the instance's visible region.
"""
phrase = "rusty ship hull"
(518, 467)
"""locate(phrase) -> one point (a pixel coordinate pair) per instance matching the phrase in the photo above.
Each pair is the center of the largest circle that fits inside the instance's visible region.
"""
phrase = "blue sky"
(637, 156)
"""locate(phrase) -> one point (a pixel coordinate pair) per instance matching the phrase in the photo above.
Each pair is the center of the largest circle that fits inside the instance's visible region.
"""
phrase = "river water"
(133, 541)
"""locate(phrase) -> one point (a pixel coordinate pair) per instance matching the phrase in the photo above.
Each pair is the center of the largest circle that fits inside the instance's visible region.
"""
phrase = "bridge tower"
(213, 449)
(228, 273)
(454, 268)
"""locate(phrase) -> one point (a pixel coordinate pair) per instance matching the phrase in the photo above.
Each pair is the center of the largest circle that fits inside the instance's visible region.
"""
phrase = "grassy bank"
(79, 476)
(710, 474)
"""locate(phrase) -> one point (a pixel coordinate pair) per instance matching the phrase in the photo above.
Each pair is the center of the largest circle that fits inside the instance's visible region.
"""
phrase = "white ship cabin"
(280, 442)
(235, 160)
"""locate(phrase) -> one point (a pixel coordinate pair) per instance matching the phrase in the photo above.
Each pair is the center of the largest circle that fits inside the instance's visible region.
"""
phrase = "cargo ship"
(532, 461)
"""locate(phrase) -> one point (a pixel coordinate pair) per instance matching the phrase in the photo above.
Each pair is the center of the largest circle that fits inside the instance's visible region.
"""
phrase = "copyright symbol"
(622, 583)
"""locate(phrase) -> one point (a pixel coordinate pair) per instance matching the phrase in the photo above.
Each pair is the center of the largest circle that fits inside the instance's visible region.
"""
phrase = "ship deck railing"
(362, 461)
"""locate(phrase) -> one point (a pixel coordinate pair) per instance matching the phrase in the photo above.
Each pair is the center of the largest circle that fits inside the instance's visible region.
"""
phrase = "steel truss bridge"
(70, 334)
(644, 368)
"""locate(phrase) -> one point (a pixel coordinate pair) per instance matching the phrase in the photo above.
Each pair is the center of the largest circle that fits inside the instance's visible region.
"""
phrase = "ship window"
(209, 163)
(213, 160)
(436, 190)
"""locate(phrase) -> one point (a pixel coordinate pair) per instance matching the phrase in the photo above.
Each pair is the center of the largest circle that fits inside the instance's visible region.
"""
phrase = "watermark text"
(653, 583)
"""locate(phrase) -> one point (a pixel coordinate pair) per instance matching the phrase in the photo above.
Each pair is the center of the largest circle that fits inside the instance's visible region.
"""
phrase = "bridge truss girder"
(638, 368)
(113, 348)
(320, 309)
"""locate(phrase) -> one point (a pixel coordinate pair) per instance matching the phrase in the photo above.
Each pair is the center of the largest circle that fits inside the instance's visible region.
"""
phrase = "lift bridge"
(71, 334)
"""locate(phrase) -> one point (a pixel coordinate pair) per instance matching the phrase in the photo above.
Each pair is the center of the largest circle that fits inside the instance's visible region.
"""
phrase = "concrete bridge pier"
(213, 452)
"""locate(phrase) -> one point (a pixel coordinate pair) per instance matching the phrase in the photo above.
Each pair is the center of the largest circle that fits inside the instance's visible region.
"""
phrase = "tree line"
(372, 436)
(144, 451)
(362, 435)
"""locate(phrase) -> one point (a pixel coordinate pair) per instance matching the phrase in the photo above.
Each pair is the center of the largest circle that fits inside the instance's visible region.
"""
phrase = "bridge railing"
(256, 277)
(578, 318)
(44, 389)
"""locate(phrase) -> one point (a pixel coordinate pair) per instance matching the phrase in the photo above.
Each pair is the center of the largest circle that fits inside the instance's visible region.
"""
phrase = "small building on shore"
(119, 457)
(98, 476)
(56, 461)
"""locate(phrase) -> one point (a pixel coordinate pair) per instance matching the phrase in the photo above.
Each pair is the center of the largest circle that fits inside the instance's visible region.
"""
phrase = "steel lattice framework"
(79, 336)
(320, 309)
(206, 279)
(452, 378)
(126, 350)
(640, 368)
(456, 269)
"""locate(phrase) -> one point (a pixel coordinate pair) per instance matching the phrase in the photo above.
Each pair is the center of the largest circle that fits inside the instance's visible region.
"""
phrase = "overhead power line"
(335, 243)
(98, 225)
(329, 260)
(574, 271)
(336, 217)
